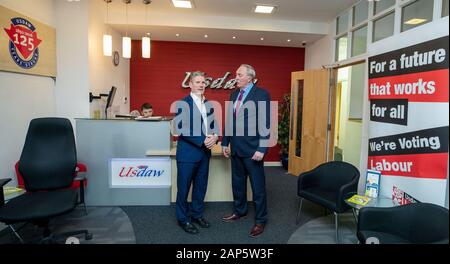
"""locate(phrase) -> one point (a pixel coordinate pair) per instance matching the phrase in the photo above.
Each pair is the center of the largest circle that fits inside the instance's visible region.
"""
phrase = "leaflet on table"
(7, 190)
(372, 183)
(359, 199)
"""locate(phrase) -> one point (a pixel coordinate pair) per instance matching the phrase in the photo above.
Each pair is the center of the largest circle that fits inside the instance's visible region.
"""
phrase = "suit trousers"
(241, 167)
(195, 173)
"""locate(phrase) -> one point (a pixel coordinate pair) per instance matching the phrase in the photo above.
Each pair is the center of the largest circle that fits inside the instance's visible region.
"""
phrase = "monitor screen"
(111, 95)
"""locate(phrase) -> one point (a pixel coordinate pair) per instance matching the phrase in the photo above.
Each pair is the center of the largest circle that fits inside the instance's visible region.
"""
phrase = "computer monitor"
(110, 100)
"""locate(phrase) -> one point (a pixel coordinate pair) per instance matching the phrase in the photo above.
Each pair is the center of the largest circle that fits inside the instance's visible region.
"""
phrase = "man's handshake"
(210, 141)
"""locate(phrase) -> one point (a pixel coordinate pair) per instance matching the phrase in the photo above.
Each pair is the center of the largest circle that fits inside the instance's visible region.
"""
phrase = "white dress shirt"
(200, 103)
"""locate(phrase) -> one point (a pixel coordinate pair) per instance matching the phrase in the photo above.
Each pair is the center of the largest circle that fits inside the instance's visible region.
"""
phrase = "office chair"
(80, 182)
(328, 185)
(47, 165)
(415, 223)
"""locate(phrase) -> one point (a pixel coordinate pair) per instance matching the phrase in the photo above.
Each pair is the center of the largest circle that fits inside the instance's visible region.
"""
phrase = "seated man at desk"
(146, 110)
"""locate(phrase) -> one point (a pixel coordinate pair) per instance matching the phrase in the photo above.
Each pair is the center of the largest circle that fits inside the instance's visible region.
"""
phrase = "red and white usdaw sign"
(409, 119)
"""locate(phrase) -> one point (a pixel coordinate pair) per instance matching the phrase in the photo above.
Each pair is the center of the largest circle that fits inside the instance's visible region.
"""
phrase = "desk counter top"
(215, 151)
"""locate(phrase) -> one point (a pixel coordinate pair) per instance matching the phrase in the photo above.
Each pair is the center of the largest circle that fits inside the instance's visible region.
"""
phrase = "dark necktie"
(239, 102)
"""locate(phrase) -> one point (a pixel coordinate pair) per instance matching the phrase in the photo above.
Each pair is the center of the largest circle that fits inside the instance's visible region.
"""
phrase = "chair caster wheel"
(88, 236)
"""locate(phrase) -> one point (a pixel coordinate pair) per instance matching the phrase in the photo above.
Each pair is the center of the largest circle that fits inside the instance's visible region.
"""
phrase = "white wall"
(103, 74)
(72, 82)
(23, 97)
(321, 51)
(349, 130)
(41, 10)
(81, 67)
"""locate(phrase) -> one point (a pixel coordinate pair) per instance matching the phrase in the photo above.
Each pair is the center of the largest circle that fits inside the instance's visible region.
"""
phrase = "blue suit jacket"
(190, 147)
(251, 140)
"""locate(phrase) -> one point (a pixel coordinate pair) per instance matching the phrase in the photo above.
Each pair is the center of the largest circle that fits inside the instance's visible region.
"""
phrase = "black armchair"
(47, 165)
(328, 185)
(415, 223)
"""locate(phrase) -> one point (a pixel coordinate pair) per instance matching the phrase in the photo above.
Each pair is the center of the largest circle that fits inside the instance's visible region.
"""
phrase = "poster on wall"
(409, 119)
(26, 45)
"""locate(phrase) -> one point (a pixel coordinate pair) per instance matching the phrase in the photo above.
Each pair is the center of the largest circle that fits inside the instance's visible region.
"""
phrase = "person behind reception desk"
(195, 141)
(146, 110)
(247, 152)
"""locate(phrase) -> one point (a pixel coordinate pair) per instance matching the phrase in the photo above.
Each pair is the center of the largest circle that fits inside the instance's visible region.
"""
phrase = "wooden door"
(312, 120)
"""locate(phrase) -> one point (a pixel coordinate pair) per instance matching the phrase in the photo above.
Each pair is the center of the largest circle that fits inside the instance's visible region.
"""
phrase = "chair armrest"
(3, 182)
(346, 191)
(80, 167)
(80, 177)
(307, 179)
(392, 220)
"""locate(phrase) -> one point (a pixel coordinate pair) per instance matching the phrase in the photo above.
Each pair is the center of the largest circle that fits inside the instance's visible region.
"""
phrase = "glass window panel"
(444, 8)
(416, 14)
(359, 41)
(298, 138)
(382, 5)
(357, 78)
(341, 48)
(342, 24)
(383, 27)
(360, 12)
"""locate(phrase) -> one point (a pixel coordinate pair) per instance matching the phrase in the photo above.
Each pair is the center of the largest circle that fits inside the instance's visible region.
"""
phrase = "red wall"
(158, 80)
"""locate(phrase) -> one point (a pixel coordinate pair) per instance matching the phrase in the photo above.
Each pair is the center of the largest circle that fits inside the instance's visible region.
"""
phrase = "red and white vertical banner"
(409, 119)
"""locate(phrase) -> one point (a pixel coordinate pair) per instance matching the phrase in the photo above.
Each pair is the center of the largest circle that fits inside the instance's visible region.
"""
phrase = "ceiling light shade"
(107, 39)
(146, 47)
(264, 9)
(107, 45)
(182, 3)
(126, 47)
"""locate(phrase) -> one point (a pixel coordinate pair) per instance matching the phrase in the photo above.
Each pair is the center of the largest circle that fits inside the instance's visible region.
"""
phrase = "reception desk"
(100, 142)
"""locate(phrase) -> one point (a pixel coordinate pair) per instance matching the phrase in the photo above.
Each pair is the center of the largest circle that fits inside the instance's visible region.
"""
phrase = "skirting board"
(272, 163)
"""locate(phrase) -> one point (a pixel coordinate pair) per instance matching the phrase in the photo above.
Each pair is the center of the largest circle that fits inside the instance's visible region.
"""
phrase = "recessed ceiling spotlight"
(264, 9)
(234, 37)
(206, 36)
(261, 38)
(177, 35)
(288, 40)
(182, 3)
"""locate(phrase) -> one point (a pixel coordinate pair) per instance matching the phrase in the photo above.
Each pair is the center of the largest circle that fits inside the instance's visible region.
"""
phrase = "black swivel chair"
(415, 223)
(47, 165)
(328, 185)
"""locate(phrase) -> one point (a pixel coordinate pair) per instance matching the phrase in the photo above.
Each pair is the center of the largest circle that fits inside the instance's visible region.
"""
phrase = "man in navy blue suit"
(249, 116)
(197, 134)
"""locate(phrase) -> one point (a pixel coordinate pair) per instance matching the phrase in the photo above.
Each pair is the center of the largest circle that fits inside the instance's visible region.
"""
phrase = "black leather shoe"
(201, 222)
(189, 228)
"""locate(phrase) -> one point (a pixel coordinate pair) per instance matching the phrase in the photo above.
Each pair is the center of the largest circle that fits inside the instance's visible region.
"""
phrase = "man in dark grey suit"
(250, 113)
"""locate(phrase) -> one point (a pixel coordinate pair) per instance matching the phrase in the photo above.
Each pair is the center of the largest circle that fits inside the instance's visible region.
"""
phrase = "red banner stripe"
(430, 166)
(415, 92)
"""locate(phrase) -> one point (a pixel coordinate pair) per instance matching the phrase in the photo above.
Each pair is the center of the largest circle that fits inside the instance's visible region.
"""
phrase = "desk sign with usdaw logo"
(26, 45)
(140, 173)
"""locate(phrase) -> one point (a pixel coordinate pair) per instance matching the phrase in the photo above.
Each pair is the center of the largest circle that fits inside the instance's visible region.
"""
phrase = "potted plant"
(283, 129)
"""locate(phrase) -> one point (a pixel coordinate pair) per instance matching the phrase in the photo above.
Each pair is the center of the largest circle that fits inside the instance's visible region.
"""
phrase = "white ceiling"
(297, 20)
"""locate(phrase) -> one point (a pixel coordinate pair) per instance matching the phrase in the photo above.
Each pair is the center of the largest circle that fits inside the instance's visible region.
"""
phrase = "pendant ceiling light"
(107, 39)
(126, 41)
(146, 39)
